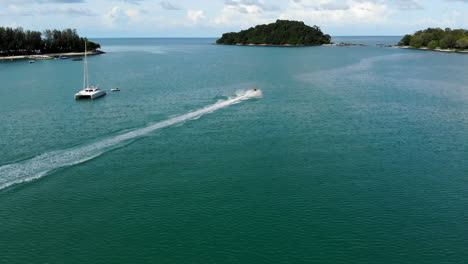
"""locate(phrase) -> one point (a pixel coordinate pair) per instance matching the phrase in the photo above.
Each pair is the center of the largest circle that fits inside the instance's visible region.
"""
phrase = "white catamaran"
(88, 92)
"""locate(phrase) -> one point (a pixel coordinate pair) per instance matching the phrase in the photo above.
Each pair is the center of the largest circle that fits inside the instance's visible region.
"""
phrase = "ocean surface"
(351, 155)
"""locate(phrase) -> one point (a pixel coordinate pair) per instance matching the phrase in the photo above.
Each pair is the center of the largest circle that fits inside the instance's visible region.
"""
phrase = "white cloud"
(115, 15)
(14, 10)
(42, 1)
(195, 15)
(118, 15)
(169, 6)
(250, 6)
(408, 4)
(246, 13)
(134, 2)
(429, 22)
(333, 12)
(236, 16)
(134, 14)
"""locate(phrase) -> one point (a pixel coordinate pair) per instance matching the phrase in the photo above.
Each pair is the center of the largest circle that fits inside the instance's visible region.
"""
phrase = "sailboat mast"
(86, 77)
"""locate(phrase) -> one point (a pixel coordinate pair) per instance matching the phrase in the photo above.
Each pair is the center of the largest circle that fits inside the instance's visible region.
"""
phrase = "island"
(437, 39)
(17, 43)
(285, 33)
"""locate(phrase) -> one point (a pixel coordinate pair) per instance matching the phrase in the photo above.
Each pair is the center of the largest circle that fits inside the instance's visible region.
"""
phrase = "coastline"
(70, 54)
(291, 45)
(438, 50)
(265, 45)
(347, 45)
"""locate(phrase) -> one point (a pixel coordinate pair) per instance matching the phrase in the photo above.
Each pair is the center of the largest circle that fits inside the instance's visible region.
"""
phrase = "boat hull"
(87, 95)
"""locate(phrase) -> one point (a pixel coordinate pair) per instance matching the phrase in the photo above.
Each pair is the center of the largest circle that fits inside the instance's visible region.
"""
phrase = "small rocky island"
(284, 33)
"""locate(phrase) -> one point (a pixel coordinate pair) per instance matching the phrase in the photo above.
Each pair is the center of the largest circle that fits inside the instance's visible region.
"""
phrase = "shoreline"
(437, 50)
(348, 45)
(69, 54)
(265, 45)
(292, 45)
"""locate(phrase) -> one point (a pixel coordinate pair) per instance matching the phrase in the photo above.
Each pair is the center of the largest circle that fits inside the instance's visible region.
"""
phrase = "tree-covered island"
(280, 33)
(436, 39)
(17, 41)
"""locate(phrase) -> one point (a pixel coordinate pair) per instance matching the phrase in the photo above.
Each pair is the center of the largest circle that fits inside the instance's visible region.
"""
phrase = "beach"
(67, 54)
(438, 50)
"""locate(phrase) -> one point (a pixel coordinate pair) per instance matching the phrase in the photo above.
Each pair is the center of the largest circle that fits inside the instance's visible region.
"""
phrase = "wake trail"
(40, 165)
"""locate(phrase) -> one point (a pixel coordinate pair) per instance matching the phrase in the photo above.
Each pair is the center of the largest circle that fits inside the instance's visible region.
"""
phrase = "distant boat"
(115, 89)
(88, 92)
(31, 61)
(77, 59)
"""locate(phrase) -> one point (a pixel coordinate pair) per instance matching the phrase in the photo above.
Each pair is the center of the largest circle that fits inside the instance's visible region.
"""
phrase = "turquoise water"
(352, 155)
(387, 40)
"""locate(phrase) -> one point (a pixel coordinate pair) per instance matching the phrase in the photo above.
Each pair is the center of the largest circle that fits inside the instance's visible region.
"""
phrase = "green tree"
(405, 41)
(16, 41)
(436, 37)
(425, 38)
(448, 42)
(416, 41)
(433, 44)
(462, 43)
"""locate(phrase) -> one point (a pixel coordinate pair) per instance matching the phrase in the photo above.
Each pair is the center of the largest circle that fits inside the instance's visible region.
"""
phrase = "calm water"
(353, 155)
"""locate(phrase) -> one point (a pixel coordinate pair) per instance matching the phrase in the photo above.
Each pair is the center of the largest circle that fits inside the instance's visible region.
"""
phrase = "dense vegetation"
(16, 41)
(279, 33)
(437, 38)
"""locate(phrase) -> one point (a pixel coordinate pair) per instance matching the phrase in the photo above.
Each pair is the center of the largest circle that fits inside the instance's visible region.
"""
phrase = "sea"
(346, 155)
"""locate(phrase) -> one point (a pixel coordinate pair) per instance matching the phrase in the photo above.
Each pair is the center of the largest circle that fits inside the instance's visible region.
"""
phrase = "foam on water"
(40, 165)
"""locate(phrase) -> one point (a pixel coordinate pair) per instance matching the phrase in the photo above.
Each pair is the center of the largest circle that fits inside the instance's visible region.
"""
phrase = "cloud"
(319, 4)
(114, 16)
(13, 10)
(195, 15)
(135, 2)
(330, 5)
(246, 13)
(334, 12)
(408, 4)
(42, 1)
(62, 1)
(240, 17)
(134, 14)
(429, 22)
(168, 6)
(250, 6)
(120, 16)
(73, 11)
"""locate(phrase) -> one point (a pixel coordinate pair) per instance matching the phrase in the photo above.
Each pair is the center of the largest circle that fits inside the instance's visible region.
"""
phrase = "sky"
(211, 18)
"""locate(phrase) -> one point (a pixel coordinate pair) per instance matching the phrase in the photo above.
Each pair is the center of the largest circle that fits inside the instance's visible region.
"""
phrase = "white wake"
(40, 165)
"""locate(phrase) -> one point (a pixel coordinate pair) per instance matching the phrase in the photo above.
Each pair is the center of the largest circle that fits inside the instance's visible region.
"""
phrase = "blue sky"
(204, 18)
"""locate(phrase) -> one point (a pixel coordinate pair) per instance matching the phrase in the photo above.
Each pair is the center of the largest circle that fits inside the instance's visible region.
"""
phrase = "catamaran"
(88, 92)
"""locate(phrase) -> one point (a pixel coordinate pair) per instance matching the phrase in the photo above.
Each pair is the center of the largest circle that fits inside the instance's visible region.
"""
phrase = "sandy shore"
(439, 50)
(290, 45)
(263, 45)
(351, 44)
(68, 54)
